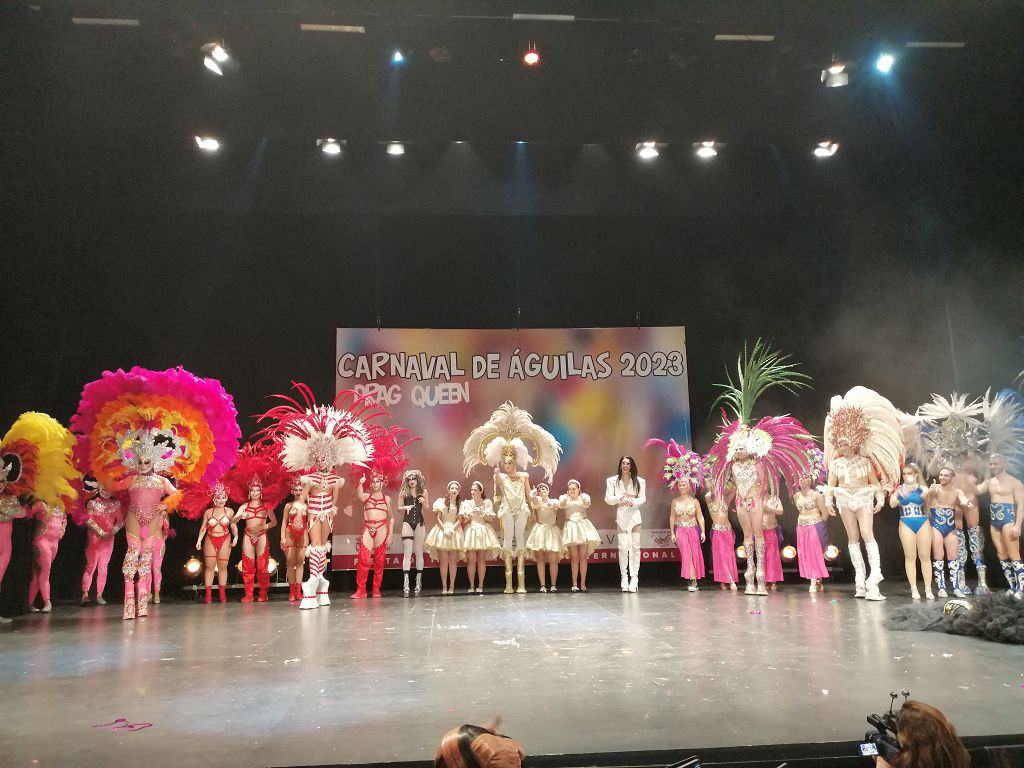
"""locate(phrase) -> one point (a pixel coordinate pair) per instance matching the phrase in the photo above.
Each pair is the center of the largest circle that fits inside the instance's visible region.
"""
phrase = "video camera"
(882, 741)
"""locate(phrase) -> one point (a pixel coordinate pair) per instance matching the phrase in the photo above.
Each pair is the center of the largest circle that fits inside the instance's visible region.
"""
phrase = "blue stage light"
(397, 57)
(885, 62)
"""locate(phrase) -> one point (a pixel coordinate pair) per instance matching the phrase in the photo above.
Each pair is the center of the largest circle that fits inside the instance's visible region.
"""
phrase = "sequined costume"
(104, 519)
(809, 552)
(135, 427)
(684, 469)
(501, 443)
(723, 543)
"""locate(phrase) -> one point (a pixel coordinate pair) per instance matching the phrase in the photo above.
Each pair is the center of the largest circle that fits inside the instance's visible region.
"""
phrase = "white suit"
(627, 502)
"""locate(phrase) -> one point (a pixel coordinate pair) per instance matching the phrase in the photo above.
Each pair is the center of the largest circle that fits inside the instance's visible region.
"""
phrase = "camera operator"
(927, 740)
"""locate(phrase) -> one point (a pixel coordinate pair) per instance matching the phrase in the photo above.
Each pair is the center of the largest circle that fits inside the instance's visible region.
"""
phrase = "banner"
(600, 391)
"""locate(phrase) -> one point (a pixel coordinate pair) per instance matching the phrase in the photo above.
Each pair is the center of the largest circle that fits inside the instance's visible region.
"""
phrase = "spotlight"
(213, 66)
(706, 149)
(207, 143)
(826, 149)
(397, 57)
(193, 567)
(831, 552)
(531, 57)
(836, 75)
(741, 552)
(885, 62)
(647, 150)
(329, 146)
(395, 148)
(215, 54)
(788, 552)
(271, 566)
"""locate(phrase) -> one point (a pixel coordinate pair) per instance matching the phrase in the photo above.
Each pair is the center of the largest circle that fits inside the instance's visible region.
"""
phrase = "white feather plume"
(883, 446)
(510, 424)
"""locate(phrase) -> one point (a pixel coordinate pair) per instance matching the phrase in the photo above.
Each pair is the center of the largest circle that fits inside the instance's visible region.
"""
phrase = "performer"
(378, 525)
(683, 473)
(772, 542)
(627, 492)
(863, 452)
(35, 463)
(314, 440)
(1006, 493)
(755, 459)
(723, 542)
(445, 540)
(414, 530)
(294, 540)
(218, 533)
(544, 544)
(952, 432)
(942, 497)
(810, 528)
(915, 529)
(579, 536)
(103, 519)
(161, 532)
(136, 426)
(51, 524)
(258, 483)
(499, 443)
(481, 544)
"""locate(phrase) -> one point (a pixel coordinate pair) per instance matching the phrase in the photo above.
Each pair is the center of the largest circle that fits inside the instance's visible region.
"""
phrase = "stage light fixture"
(831, 552)
(271, 566)
(885, 63)
(826, 149)
(647, 150)
(531, 57)
(835, 76)
(395, 148)
(397, 57)
(330, 146)
(706, 149)
(215, 54)
(193, 567)
(788, 552)
(207, 143)
(741, 552)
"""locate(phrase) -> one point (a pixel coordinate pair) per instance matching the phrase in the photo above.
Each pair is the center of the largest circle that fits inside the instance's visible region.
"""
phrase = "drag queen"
(579, 536)
(863, 452)
(51, 524)
(915, 529)
(414, 527)
(294, 540)
(772, 543)
(683, 472)
(314, 440)
(135, 427)
(811, 518)
(445, 540)
(627, 492)
(481, 544)
(544, 544)
(35, 462)
(218, 533)
(258, 483)
(501, 443)
(102, 519)
(752, 461)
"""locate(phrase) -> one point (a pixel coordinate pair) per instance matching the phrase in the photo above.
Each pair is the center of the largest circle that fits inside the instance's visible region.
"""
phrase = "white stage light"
(397, 57)
(395, 148)
(885, 63)
(532, 57)
(213, 66)
(329, 146)
(207, 143)
(706, 149)
(826, 149)
(836, 75)
(215, 54)
(831, 552)
(788, 552)
(193, 567)
(741, 552)
(647, 150)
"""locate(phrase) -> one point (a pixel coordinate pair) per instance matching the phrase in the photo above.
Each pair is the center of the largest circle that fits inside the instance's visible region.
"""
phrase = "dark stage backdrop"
(863, 295)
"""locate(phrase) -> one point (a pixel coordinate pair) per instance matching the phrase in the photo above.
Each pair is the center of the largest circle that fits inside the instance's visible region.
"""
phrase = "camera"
(882, 741)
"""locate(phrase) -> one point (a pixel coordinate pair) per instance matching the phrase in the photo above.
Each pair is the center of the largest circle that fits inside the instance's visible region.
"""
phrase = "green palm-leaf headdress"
(757, 371)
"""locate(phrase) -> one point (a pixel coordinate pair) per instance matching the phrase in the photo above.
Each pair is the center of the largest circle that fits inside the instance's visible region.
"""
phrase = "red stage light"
(531, 58)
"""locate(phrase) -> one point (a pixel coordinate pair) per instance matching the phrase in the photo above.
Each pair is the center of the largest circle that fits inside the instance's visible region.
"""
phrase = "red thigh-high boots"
(209, 595)
(222, 593)
(378, 567)
(362, 571)
(263, 574)
(248, 577)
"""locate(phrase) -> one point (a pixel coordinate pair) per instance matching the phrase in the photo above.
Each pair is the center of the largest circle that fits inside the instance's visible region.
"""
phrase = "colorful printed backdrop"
(601, 391)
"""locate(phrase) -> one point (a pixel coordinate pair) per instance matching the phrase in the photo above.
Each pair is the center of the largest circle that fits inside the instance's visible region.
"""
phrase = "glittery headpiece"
(36, 454)
(849, 427)
(864, 421)
(258, 466)
(219, 491)
(505, 434)
(389, 446)
(816, 469)
(951, 429)
(159, 447)
(680, 465)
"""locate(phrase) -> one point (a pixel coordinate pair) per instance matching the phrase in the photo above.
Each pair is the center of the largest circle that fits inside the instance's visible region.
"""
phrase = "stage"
(379, 681)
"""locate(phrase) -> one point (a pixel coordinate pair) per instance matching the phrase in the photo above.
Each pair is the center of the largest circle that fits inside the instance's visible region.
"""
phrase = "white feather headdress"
(507, 432)
(1004, 421)
(871, 425)
(951, 428)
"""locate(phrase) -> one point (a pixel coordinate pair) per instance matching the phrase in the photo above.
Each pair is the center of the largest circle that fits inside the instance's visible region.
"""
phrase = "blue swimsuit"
(1001, 514)
(943, 520)
(911, 513)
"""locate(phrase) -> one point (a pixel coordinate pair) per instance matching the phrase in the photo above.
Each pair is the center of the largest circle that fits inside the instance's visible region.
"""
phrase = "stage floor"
(381, 680)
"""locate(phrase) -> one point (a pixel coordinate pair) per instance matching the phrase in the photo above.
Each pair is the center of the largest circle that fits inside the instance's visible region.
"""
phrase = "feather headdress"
(950, 429)
(308, 434)
(507, 433)
(1004, 421)
(185, 425)
(867, 423)
(389, 459)
(258, 465)
(36, 459)
(681, 465)
(196, 498)
(777, 443)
